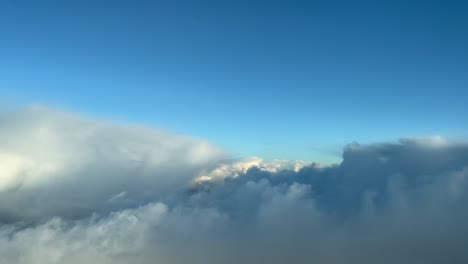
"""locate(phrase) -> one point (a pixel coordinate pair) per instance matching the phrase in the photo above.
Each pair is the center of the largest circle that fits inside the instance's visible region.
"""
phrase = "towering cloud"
(74, 190)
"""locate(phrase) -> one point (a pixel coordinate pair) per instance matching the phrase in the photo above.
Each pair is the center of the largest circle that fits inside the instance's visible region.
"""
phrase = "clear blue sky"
(276, 79)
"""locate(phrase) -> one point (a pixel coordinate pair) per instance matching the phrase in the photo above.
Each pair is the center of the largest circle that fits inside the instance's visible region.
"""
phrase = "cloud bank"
(59, 164)
(76, 190)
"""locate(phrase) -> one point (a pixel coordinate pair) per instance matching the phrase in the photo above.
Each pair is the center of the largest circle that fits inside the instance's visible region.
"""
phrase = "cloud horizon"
(81, 190)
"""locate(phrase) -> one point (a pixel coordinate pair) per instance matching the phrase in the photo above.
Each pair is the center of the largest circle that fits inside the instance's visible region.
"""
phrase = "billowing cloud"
(74, 190)
(59, 164)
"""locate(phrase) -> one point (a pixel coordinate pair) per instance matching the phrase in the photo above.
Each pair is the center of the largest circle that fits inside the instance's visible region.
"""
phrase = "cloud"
(75, 190)
(58, 164)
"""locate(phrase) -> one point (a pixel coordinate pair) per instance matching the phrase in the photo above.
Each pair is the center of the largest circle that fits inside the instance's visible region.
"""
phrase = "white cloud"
(77, 190)
(73, 163)
(233, 169)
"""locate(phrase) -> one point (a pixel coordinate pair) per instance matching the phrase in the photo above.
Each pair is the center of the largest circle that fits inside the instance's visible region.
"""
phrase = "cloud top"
(77, 190)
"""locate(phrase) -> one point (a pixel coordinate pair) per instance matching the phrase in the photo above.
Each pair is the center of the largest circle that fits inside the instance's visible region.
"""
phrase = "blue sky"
(276, 79)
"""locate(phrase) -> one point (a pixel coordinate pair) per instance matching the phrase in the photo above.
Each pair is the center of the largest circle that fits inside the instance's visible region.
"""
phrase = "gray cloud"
(74, 190)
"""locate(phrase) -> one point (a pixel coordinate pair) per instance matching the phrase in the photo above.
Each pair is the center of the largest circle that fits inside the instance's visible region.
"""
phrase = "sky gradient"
(253, 132)
(276, 79)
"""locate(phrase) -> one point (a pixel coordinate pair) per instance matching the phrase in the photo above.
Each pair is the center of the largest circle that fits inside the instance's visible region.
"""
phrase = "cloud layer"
(75, 190)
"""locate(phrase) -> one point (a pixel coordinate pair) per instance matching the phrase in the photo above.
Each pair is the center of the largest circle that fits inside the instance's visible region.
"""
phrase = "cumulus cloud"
(55, 163)
(75, 190)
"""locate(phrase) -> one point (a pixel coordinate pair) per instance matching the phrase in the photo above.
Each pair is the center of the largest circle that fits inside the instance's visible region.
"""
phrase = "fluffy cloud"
(74, 190)
(54, 163)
